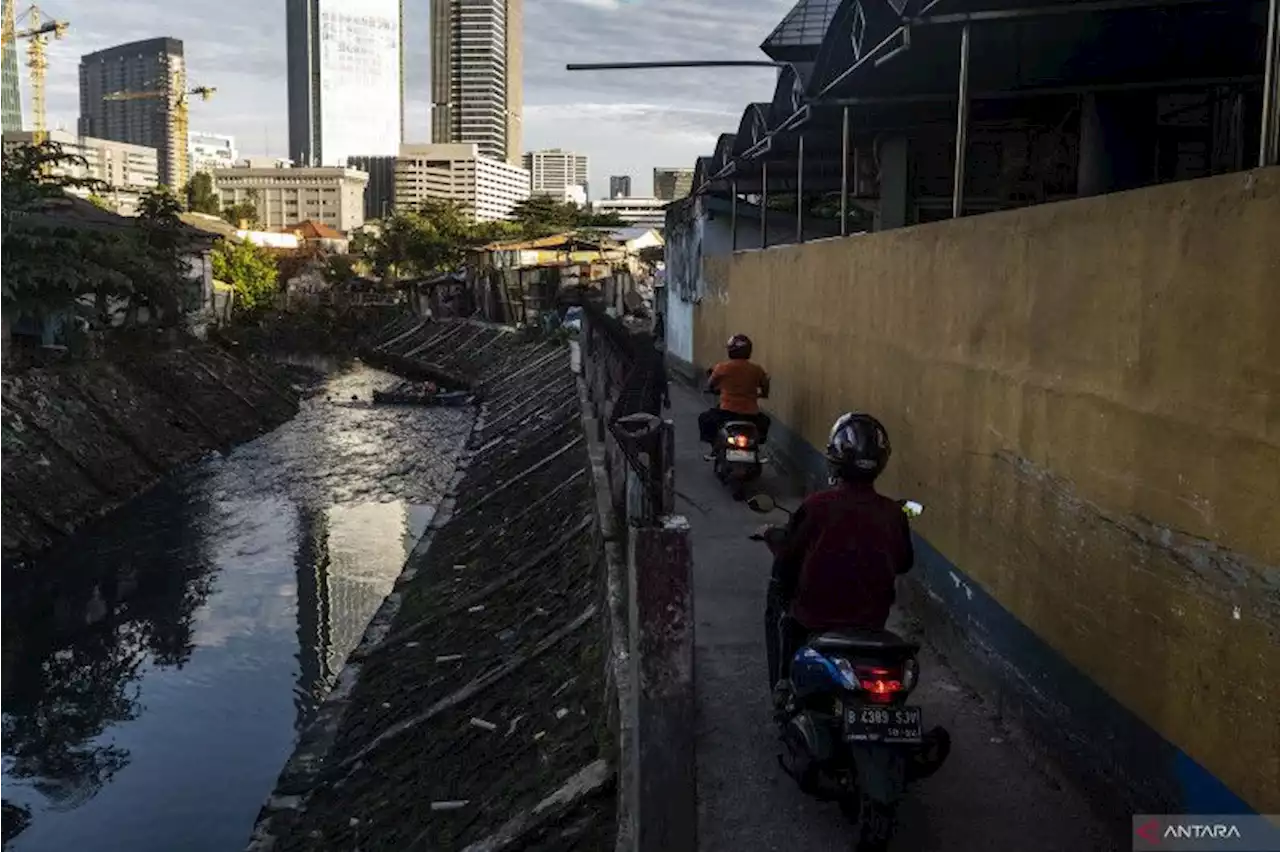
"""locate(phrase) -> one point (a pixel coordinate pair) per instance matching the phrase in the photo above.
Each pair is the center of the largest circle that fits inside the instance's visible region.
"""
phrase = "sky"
(627, 122)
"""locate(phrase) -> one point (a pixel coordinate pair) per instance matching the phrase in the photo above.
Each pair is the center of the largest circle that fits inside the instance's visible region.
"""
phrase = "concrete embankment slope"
(474, 714)
(83, 437)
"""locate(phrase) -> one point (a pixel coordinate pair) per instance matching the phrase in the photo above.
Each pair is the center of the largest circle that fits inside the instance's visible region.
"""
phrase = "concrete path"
(987, 797)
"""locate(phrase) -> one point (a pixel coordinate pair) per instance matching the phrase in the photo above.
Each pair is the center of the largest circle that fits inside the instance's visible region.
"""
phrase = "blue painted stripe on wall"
(1123, 763)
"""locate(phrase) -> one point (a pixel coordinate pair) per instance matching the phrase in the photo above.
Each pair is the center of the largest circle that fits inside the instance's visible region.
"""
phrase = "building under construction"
(10, 87)
(134, 93)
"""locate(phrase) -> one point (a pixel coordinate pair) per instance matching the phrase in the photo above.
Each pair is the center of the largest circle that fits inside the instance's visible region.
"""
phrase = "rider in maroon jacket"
(836, 566)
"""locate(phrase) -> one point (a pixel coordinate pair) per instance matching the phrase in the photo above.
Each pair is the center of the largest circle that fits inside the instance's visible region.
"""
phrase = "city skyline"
(625, 122)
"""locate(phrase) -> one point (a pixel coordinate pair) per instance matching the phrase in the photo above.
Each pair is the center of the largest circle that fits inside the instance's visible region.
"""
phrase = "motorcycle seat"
(739, 426)
(871, 641)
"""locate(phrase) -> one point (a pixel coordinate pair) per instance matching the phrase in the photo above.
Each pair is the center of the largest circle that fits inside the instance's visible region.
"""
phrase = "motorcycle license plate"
(739, 456)
(868, 723)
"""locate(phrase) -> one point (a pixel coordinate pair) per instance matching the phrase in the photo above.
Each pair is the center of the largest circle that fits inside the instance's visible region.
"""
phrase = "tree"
(49, 263)
(200, 195)
(166, 242)
(250, 270)
(245, 211)
(541, 216)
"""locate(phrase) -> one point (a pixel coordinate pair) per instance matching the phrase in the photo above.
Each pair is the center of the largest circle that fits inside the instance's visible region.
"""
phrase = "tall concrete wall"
(1086, 397)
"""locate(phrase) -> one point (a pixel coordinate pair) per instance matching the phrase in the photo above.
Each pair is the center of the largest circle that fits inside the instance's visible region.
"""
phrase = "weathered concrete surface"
(473, 711)
(81, 438)
(1086, 397)
(989, 795)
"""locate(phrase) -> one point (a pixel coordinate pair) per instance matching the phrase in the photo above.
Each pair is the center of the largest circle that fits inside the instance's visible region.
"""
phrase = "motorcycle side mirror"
(762, 503)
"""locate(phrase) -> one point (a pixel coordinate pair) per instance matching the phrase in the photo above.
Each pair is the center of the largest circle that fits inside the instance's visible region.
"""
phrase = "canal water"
(158, 668)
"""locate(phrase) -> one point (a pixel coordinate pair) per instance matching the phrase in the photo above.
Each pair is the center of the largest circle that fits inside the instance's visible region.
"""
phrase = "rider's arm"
(714, 375)
(907, 553)
(764, 386)
(789, 558)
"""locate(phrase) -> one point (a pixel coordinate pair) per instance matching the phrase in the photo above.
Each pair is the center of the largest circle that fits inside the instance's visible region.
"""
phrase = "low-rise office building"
(486, 188)
(284, 195)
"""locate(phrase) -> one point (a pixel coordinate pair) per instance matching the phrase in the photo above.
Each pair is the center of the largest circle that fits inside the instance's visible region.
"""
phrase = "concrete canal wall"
(83, 437)
(1086, 397)
(480, 710)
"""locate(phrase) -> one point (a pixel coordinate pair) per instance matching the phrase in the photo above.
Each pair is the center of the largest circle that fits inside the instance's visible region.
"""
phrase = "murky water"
(158, 668)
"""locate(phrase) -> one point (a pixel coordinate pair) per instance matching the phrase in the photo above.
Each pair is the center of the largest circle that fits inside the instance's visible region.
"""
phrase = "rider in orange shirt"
(741, 384)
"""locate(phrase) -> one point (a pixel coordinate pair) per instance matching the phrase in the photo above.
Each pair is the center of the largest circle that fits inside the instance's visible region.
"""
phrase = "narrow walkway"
(987, 797)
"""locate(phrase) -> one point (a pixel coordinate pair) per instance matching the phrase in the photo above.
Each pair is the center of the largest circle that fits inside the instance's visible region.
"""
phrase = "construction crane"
(37, 31)
(181, 121)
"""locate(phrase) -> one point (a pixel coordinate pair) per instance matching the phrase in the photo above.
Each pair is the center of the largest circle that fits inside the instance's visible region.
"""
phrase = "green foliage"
(433, 238)
(250, 270)
(541, 216)
(245, 211)
(200, 195)
(48, 266)
(101, 203)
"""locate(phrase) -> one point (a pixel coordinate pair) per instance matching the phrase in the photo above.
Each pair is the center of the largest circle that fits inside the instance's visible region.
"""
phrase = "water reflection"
(157, 668)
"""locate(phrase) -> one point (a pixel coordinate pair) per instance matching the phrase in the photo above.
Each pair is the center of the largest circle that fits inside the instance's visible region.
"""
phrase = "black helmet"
(858, 449)
(739, 346)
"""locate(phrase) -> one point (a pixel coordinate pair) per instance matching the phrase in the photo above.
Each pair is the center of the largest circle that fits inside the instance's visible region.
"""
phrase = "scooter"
(735, 455)
(848, 734)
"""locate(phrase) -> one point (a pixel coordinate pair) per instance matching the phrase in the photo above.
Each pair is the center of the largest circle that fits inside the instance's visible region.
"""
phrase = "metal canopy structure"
(885, 64)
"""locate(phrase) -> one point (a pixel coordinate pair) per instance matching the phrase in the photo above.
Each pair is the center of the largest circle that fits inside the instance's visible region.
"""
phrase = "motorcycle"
(848, 734)
(735, 455)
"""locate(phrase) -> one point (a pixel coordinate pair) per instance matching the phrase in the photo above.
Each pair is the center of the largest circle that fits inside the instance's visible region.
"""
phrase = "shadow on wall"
(1085, 394)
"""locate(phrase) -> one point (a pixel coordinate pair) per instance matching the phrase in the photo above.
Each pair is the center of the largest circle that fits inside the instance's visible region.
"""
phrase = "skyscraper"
(477, 78)
(10, 88)
(554, 170)
(620, 186)
(345, 70)
(130, 93)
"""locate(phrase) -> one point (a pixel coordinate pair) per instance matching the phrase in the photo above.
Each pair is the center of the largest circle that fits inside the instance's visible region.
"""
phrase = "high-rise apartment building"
(10, 87)
(552, 171)
(345, 71)
(477, 75)
(209, 151)
(130, 93)
(620, 186)
(670, 184)
(485, 187)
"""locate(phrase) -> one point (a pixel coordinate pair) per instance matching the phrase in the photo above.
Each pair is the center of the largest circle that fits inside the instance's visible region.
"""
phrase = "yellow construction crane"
(181, 100)
(37, 31)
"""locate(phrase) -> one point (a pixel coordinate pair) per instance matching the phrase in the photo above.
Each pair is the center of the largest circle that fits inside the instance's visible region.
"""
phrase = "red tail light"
(739, 441)
(880, 684)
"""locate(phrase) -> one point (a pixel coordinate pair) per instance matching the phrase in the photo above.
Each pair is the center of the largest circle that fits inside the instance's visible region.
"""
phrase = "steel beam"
(1269, 146)
(764, 203)
(800, 192)
(962, 126)
(1081, 8)
(692, 63)
(733, 216)
(844, 172)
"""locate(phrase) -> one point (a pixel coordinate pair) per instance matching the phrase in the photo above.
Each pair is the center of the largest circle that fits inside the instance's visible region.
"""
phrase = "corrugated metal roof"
(804, 26)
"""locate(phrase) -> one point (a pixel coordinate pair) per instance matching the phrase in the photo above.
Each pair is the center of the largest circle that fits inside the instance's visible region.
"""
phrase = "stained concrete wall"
(1086, 396)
